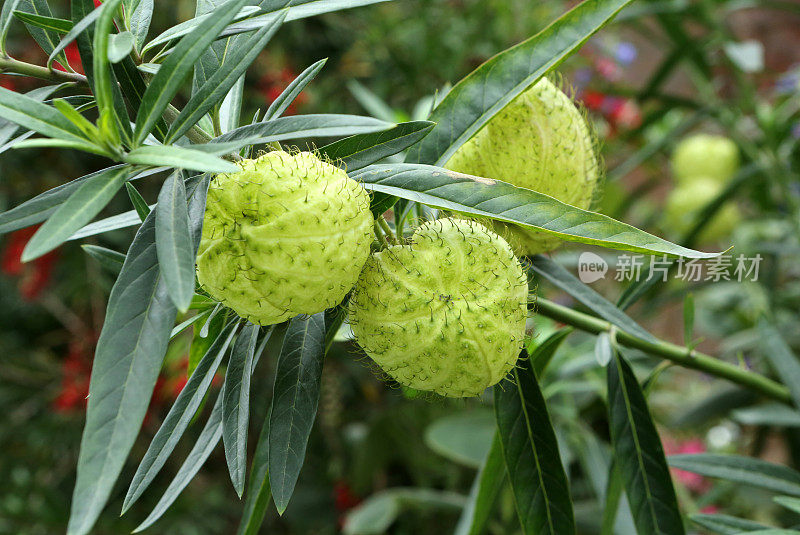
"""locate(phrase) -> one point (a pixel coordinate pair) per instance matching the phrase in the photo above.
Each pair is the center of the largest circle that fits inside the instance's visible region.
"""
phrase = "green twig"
(683, 356)
(379, 234)
(389, 234)
(10, 65)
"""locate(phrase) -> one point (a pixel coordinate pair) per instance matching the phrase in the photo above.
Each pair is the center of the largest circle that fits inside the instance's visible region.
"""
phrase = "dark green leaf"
(357, 152)
(294, 403)
(236, 405)
(138, 202)
(111, 260)
(178, 419)
(129, 353)
(490, 87)
(166, 83)
(208, 440)
(174, 244)
(484, 492)
(543, 352)
(179, 157)
(217, 86)
(85, 203)
(498, 200)
(740, 469)
(301, 126)
(726, 525)
(259, 493)
(639, 455)
(530, 449)
(32, 114)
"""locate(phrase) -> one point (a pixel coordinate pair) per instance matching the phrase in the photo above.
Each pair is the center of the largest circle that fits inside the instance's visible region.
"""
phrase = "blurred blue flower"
(626, 53)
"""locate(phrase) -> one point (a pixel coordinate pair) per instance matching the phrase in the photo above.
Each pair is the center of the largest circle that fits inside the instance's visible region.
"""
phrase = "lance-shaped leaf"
(236, 405)
(29, 113)
(639, 455)
(300, 126)
(178, 419)
(9, 129)
(179, 63)
(530, 449)
(179, 157)
(223, 79)
(140, 19)
(46, 23)
(6, 16)
(566, 281)
(46, 38)
(490, 87)
(726, 525)
(781, 357)
(294, 403)
(208, 440)
(484, 492)
(258, 492)
(186, 27)
(109, 259)
(357, 152)
(173, 241)
(498, 200)
(129, 353)
(85, 203)
(139, 204)
(741, 469)
(45, 204)
(287, 96)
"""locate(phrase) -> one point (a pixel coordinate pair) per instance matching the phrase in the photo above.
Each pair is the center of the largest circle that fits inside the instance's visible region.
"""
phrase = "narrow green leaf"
(205, 334)
(178, 419)
(8, 129)
(294, 403)
(639, 455)
(208, 440)
(179, 63)
(103, 78)
(111, 260)
(124, 220)
(768, 414)
(726, 525)
(138, 202)
(119, 46)
(490, 87)
(6, 16)
(741, 469)
(236, 405)
(45, 23)
(84, 146)
(781, 357)
(47, 39)
(793, 504)
(32, 114)
(302, 126)
(259, 493)
(222, 80)
(126, 365)
(288, 95)
(176, 254)
(530, 449)
(140, 20)
(544, 351)
(179, 157)
(484, 492)
(85, 203)
(614, 488)
(359, 151)
(498, 200)
(186, 27)
(197, 211)
(89, 130)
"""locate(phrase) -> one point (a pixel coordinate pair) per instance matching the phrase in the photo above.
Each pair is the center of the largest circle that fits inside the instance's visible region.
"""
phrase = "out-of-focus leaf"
(464, 438)
(47, 39)
(287, 96)
(772, 414)
(543, 352)
(178, 419)
(205, 334)
(793, 504)
(741, 469)
(294, 403)
(484, 492)
(6, 16)
(86, 202)
(725, 524)
(111, 260)
(783, 360)
(483, 197)
(127, 361)
(639, 455)
(259, 493)
(377, 513)
(530, 449)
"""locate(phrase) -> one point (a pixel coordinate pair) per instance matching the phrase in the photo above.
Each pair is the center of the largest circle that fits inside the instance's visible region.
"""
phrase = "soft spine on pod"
(539, 141)
(286, 235)
(445, 313)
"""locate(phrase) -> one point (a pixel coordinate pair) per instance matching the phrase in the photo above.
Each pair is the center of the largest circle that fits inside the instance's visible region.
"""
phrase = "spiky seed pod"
(445, 313)
(685, 202)
(286, 235)
(539, 141)
(705, 155)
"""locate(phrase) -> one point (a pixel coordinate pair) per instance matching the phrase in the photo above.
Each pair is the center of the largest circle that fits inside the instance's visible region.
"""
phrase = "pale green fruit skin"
(286, 235)
(705, 155)
(684, 203)
(539, 141)
(445, 314)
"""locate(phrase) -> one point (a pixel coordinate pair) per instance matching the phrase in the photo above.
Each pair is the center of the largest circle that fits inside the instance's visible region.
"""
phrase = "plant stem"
(379, 234)
(389, 234)
(14, 66)
(683, 356)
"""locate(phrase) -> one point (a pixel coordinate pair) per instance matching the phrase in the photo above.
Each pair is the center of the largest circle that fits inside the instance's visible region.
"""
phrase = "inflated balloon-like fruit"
(539, 141)
(445, 313)
(288, 234)
(704, 155)
(685, 202)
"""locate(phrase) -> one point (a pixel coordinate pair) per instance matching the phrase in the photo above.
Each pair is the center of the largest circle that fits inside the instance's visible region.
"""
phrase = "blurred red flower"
(33, 276)
(272, 85)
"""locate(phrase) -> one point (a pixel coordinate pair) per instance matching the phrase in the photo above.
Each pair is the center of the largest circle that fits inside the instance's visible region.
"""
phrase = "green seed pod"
(704, 155)
(286, 235)
(684, 203)
(539, 141)
(445, 313)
